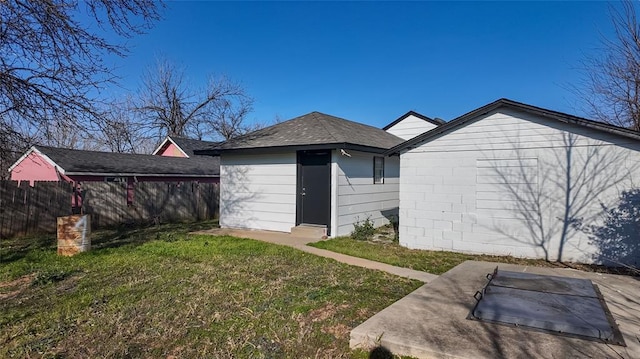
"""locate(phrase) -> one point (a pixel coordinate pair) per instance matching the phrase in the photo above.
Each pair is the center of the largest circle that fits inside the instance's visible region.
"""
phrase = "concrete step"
(309, 231)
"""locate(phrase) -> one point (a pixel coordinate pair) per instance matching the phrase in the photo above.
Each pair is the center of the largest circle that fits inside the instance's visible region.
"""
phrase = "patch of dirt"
(339, 330)
(325, 312)
(11, 289)
(384, 234)
(69, 285)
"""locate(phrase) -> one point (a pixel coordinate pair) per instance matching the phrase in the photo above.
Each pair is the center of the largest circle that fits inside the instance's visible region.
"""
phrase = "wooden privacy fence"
(155, 202)
(25, 209)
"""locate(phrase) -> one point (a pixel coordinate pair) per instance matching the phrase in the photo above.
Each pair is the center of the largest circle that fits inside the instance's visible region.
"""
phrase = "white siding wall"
(258, 191)
(410, 127)
(505, 184)
(358, 197)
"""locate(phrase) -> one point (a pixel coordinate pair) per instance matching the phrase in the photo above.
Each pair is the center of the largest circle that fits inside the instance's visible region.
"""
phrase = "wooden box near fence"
(74, 234)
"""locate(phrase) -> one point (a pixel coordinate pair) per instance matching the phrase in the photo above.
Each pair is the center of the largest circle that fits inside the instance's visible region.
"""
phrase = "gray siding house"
(314, 170)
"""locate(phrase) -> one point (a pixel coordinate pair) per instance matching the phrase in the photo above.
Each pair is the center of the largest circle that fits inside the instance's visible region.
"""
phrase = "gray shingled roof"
(189, 145)
(312, 129)
(94, 162)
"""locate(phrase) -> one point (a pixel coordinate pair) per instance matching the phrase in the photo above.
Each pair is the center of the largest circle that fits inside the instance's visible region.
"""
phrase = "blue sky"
(373, 61)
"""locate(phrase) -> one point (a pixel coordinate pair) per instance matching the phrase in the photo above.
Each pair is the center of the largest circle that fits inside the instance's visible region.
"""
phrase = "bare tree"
(51, 64)
(120, 130)
(64, 133)
(227, 120)
(170, 105)
(612, 80)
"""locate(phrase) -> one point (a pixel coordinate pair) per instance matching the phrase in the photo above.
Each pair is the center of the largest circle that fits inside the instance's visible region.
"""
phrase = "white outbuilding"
(315, 171)
(514, 179)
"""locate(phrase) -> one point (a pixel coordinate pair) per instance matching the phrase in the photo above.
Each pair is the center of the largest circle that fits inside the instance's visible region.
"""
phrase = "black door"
(314, 188)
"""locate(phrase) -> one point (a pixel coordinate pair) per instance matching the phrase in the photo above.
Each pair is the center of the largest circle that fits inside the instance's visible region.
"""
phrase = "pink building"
(43, 163)
(173, 161)
(174, 146)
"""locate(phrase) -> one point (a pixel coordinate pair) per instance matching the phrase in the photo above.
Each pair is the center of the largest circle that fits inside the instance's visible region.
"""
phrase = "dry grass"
(159, 292)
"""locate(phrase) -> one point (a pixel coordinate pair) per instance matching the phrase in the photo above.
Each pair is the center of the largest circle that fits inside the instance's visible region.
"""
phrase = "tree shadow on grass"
(135, 235)
(14, 249)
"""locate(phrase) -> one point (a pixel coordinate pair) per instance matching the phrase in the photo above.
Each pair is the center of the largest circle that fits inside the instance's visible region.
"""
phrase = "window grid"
(378, 170)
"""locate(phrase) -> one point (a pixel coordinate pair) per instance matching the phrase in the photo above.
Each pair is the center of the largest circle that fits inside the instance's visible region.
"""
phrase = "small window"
(378, 170)
(115, 179)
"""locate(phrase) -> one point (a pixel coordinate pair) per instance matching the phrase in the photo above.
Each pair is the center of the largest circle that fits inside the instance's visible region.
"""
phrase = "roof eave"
(169, 139)
(309, 147)
(24, 155)
(558, 116)
(41, 154)
(411, 113)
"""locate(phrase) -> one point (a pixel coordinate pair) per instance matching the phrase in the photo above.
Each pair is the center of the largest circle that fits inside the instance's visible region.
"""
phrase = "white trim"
(62, 176)
(21, 158)
(45, 157)
(174, 143)
(334, 192)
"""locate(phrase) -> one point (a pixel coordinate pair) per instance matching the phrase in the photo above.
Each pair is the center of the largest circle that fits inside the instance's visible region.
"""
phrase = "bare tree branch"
(51, 64)
(122, 131)
(171, 106)
(612, 81)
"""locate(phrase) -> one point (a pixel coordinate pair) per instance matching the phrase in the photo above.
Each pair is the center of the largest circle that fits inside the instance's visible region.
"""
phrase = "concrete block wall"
(499, 186)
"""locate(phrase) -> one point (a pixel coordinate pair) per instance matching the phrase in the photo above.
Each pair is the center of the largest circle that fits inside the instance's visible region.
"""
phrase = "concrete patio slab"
(431, 322)
(300, 243)
(266, 236)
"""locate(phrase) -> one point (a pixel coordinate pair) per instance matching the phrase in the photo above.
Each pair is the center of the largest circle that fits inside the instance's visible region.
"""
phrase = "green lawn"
(436, 262)
(159, 292)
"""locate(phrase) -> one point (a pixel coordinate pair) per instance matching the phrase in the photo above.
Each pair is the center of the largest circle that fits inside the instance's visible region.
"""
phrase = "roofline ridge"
(146, 155)
(170, 139)
(495, 105)
(412, 113)
(324, 126)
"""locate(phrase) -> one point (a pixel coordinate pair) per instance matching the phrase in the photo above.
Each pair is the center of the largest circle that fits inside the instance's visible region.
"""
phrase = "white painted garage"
(514, 179)
(258, 191)
(314, 170)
